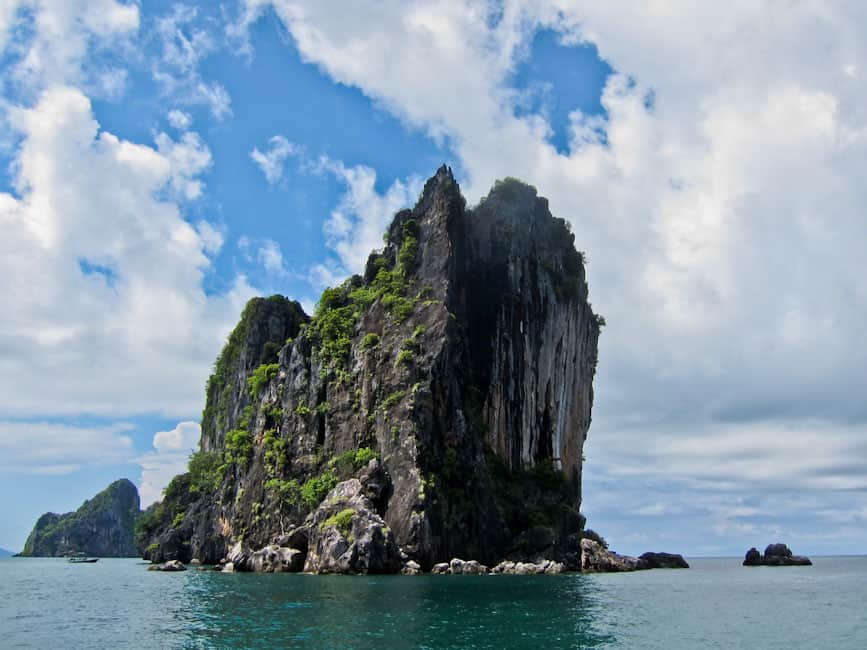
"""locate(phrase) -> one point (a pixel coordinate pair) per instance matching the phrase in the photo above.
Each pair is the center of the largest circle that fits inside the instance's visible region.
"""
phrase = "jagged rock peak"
(443, 182)
(265, 326)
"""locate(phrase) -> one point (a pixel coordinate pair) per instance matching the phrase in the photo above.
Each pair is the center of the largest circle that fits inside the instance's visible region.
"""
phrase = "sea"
(49, 603)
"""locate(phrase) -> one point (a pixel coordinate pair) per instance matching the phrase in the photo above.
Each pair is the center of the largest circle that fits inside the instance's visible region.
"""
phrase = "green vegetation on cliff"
(349, 462)
(206, 471)
(339, 309)
(342, 521)
(239, 446)
(260, 378)
(315, 489)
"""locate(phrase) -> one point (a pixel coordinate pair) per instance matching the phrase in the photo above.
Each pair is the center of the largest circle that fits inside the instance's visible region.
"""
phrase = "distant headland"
(103, 526)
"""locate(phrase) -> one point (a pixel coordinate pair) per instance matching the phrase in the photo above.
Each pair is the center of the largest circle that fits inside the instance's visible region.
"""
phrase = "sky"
(162, 162)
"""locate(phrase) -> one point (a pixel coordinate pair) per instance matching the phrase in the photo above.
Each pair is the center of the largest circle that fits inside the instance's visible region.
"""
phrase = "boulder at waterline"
(277, 559)
(171, 565)
(346, 535)
(595, 558)
(543, 567)
(663, 561)
(411, 568)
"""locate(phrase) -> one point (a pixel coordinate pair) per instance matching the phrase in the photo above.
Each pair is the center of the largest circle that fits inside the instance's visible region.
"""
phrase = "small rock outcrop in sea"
(775, 555)
(595, 558)
(461, 361)
(663, 561)
(171, 565)
(103, 526)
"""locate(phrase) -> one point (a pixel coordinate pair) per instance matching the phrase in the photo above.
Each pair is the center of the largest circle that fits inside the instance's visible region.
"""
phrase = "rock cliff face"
(266, 324)
(102, 526)
(454, 379)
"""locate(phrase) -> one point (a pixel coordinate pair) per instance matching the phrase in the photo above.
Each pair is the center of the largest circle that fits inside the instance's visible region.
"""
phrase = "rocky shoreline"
(345, 535)
(279, 559)
(431, 409)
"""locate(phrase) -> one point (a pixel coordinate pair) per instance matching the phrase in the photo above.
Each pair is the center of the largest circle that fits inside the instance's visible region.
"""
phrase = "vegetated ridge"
(103, 526)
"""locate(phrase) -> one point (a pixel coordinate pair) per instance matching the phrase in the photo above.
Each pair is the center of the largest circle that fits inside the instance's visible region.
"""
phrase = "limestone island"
(102, 526)
(433, 408)
(775, 555)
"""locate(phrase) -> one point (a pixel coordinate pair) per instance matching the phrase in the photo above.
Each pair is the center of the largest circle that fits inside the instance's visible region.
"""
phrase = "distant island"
(431, 409)
(5, 553)
(103, 526)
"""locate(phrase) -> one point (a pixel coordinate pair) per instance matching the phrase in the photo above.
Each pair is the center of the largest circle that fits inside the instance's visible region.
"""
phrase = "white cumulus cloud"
(272, 160)
(271, 257)
(355, 226)
(62, 33)
(40, 447)
(184, 42)
(172, 450)
(105, 273)
(180, 120)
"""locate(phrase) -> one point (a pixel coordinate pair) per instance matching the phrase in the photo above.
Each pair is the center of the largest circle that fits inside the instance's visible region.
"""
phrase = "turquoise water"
(48, 603)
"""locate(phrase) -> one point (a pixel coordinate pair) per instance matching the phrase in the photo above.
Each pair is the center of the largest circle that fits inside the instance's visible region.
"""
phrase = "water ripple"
(716, 604)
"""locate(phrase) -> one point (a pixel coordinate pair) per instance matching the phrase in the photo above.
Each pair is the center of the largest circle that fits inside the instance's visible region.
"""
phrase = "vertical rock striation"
(531, 331)
(461, 360)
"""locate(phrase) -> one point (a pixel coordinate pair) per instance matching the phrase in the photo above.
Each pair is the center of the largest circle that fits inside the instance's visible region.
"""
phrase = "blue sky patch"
(91, 268)
(556, 80)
